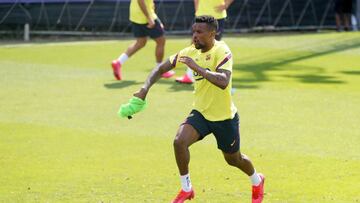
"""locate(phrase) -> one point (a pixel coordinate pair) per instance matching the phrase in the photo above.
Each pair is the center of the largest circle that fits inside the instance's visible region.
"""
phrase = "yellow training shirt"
(136, 14)
(207, 7)
(214, 103)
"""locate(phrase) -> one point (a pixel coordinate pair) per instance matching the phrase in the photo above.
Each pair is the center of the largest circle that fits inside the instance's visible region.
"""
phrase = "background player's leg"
(136, 46)
(338, 22)
(159, 49)
(159, 54)
(132, 49)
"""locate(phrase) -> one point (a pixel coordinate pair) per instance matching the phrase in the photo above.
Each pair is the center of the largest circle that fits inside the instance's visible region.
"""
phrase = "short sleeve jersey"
(214, 103)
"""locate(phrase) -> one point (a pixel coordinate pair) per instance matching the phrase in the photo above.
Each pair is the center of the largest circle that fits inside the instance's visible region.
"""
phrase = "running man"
(144, 23)
(214, 111)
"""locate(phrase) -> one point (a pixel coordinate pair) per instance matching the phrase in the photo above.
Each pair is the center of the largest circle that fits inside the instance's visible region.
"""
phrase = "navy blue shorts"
(226, 132)
(140, 30)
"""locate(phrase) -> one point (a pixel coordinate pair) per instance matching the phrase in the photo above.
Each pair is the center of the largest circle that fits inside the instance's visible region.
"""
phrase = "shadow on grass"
(351, 72)
(255, 73)
(121, 84)
(313, 78)
(173, 86)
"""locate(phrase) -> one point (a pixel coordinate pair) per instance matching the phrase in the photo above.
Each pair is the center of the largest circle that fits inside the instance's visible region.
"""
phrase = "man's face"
(202, 35)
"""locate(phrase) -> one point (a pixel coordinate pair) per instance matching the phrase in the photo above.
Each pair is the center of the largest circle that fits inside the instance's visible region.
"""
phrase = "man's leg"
(242, 162)
(338, 22)
(159, 55)
(159, 49)
(347, 18)
(132, 49)
(136, 46)
(185, 137)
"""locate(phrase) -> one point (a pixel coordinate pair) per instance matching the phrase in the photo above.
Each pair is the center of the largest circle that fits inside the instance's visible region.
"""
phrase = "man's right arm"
(149, 18)
(154, 76)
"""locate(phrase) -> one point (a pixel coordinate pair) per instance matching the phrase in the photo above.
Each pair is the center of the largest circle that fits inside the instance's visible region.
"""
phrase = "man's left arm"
(220, 78)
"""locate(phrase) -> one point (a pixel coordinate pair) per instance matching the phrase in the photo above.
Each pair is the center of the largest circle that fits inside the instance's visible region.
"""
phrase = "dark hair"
(209, 20)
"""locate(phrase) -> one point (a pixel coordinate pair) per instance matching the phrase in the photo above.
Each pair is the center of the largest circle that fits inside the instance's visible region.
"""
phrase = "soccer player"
(216, 8)
(144, 23)
(214, 111)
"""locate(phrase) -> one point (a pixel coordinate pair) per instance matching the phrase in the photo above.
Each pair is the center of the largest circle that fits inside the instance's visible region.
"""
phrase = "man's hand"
(151, 23)
(134, 106)
(189, 62)
(140, 94)
(138, 102)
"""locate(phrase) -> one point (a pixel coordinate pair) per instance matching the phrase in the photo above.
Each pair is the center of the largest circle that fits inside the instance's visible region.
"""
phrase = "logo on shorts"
(191, 115)
(232, 144)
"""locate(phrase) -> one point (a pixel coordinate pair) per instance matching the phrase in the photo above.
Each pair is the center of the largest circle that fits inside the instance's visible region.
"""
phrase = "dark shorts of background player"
(140, 30)
(343, 6)
(220, 30)
(226, 132)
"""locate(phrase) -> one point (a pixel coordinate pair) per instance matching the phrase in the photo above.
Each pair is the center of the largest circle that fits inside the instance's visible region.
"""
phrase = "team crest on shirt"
(208, 57)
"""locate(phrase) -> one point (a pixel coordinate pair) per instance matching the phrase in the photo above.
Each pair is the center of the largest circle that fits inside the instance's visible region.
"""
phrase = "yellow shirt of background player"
(214, 103)
(136, 14)
(207, 7)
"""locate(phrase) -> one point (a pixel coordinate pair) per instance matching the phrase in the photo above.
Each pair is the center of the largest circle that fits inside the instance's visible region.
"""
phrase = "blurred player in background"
(343, 10)
(217, 9)
(145, 23)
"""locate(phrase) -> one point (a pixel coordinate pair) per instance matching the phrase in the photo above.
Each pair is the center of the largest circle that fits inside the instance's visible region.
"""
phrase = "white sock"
(189, 73)
(122, 58)
(255, 179)
(185, 182)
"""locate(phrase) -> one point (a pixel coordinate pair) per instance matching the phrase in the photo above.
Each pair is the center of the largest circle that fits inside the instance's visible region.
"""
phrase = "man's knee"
(160, 41)
(233, 160)
(179, 141)
(185, 136)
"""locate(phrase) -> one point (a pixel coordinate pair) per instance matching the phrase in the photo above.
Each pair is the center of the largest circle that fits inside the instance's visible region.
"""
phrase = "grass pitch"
(61, 141)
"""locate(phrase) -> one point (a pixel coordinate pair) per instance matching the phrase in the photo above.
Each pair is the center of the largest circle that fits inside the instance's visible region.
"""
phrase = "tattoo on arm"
(221, 78)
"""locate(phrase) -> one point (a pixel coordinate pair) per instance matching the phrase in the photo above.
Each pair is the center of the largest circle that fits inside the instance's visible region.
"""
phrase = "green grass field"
(298, 96)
